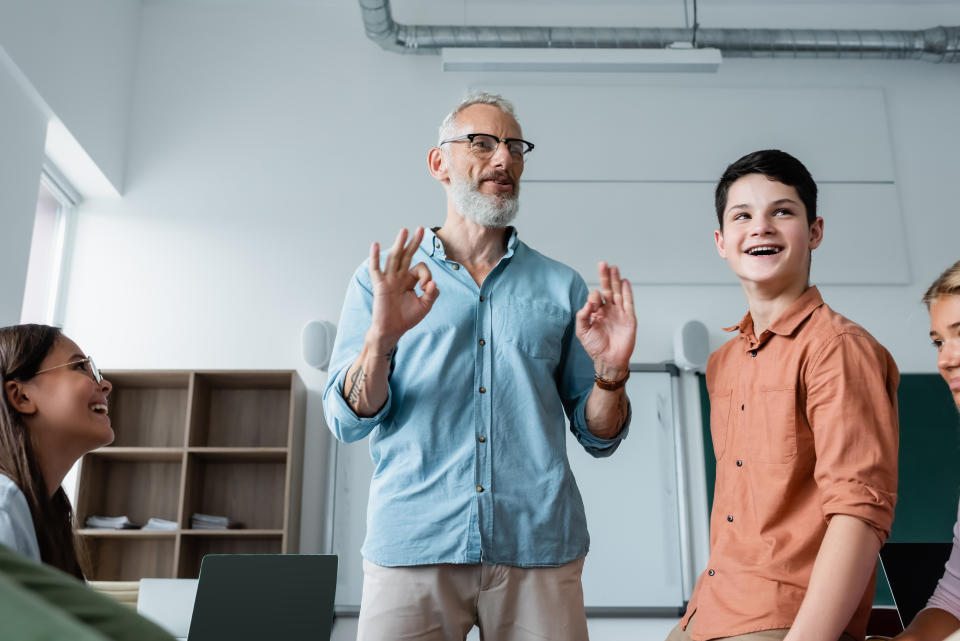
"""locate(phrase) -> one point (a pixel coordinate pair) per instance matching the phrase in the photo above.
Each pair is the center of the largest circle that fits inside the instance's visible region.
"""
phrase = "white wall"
(269, 147)
(22, 130)
(270, 143)
(80, 58)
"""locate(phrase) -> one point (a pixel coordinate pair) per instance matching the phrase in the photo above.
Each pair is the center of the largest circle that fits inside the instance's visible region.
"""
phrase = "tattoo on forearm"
(356, 384)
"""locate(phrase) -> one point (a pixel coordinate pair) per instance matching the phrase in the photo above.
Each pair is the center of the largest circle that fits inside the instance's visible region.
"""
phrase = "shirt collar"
(430, 244)
(785, 324)
(433, 246)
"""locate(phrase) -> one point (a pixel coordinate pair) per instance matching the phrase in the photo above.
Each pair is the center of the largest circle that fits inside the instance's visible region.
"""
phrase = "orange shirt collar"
(786, 324)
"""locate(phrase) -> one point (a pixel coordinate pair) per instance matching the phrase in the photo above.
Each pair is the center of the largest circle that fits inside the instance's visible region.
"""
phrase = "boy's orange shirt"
(804, 426)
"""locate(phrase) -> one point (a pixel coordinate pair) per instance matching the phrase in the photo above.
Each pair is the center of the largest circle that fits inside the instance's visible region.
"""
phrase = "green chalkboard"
(929, 481)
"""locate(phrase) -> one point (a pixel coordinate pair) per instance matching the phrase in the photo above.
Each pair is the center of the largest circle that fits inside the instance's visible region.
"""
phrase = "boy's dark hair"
(775, 165)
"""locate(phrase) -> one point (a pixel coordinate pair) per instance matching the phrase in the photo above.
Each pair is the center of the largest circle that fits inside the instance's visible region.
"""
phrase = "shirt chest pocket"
(534, 328)
(776, 441)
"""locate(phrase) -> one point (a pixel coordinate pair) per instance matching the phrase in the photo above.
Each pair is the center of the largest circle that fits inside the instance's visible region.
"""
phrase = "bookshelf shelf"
(159, 454)
(240, 454)
(227, 443)
(233, 534)
(95, 533)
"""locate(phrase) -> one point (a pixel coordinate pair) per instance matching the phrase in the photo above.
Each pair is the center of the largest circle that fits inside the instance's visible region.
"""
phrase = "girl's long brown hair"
(22, 349)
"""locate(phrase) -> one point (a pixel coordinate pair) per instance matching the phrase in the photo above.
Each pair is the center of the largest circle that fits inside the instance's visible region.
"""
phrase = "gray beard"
(485, 210)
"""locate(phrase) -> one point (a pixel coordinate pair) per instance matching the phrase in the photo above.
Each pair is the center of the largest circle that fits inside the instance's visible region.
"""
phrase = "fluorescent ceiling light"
(498, 59)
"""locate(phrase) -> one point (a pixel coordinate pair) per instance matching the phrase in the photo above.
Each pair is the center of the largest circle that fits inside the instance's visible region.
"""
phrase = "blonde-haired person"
(941, 617)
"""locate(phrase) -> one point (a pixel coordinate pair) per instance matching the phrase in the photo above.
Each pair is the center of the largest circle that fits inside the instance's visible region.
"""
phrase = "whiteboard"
(633, 508)
(633, 511)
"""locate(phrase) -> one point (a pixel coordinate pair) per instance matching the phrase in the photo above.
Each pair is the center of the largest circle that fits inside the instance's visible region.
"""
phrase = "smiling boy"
(804, 426)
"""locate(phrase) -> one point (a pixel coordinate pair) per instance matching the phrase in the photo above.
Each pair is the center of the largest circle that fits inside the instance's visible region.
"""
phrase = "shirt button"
(436, 244)
(739, 463)
(753, 353)
(481, 299)
(456, 266)
(730, 518)
(742, 407)
(483, 390)
(479, 488)
(482, 439)
(482, 342)
(711, 572)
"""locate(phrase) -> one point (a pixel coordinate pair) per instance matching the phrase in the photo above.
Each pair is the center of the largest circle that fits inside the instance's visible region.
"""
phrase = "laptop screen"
(913, 570)
(256, 597)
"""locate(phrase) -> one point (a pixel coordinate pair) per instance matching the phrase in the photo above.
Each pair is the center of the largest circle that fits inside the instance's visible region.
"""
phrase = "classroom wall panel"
(684, 133)
(662, 232)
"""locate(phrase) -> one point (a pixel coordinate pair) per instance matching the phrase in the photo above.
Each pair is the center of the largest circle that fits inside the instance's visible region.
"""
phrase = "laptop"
(913, 571)
(264, 597)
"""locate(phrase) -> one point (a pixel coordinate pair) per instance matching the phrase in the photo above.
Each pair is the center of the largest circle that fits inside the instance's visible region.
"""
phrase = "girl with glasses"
(54, 410)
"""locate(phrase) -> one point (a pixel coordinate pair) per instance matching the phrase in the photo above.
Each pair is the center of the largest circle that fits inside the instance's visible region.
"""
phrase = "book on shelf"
(160, 524)
(212, 522)
(110, 523)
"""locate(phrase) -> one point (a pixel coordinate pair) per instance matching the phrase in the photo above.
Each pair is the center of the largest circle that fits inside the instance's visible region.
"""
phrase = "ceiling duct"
(937, 44)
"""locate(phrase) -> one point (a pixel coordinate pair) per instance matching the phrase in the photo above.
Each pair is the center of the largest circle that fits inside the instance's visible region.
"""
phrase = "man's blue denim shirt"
(469, 450)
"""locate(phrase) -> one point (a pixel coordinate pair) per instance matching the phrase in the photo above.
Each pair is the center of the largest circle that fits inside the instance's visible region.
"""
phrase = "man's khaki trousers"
(443, 602)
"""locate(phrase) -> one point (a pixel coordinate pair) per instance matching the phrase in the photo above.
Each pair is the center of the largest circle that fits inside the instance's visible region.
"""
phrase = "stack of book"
(211, 522)
(110, 523)
(160, 524)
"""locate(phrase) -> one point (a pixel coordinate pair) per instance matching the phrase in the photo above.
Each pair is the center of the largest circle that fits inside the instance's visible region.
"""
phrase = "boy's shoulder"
(826, 325)
(811, 335)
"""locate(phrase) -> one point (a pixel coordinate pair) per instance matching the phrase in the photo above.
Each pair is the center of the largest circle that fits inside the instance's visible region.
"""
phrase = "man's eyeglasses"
(486, 144)
(89, 367)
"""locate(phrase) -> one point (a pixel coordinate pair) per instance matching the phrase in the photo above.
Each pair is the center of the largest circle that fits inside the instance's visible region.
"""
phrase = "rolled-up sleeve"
(575, 385)
(852, 411)
(354, 321)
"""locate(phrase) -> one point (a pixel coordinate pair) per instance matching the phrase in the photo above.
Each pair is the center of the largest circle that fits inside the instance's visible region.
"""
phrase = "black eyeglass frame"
(505, 141)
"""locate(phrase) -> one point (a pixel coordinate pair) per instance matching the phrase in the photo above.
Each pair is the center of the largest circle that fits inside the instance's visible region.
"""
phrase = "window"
(42, 294)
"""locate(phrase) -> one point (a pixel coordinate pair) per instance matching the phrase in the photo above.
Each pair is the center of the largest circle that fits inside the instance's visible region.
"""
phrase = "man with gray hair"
(463, 370)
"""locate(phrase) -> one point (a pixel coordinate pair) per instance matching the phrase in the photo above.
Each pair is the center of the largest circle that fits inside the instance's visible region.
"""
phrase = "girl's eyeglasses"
(90, 368)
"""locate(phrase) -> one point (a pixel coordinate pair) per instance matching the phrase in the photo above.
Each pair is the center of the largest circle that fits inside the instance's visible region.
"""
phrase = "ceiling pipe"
(937, 44)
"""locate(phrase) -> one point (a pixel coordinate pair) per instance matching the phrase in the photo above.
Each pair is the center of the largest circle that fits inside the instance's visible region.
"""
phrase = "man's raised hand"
(607, 324)
(396, 306)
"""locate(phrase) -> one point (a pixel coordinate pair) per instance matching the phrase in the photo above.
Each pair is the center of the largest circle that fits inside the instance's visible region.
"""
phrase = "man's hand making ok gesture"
(396, 306)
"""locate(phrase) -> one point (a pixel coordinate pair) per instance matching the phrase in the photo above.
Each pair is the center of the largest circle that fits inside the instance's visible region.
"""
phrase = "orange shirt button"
(711, 572)
(730, 518)
(753, 353)
(739, 463)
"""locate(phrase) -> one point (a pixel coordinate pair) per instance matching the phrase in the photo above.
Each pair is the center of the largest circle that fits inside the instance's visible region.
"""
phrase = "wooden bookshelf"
(218, 442)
